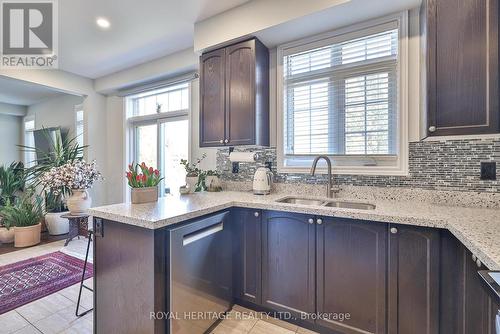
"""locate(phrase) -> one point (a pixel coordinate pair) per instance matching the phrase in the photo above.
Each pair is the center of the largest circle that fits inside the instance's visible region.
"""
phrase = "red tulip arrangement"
(142, 176)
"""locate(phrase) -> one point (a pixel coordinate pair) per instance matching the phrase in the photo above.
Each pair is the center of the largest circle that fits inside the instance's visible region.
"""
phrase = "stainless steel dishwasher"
(201, 274)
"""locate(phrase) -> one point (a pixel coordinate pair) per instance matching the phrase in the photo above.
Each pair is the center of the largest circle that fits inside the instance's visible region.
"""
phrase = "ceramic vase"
(79, 202)
(191, 182)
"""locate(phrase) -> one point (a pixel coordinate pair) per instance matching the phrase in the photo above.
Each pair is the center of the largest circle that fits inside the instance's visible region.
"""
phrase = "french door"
(162, 143)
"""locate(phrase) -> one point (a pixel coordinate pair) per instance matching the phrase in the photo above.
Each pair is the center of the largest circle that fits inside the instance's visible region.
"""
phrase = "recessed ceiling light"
(103, 22)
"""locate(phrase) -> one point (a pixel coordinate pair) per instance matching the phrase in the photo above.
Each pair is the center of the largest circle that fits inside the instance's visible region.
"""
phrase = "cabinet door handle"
(432, 128)
(226, 141)
(319, 221)
(256, 213)
(478, 263)
(221, 141)
(394, 230)
(474, 258)
(310, 221)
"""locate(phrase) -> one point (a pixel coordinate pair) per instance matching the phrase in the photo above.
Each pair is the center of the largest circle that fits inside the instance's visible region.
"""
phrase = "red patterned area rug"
(25, 281)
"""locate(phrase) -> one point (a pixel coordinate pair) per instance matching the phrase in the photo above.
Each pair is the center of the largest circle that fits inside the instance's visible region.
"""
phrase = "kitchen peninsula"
(224, 248)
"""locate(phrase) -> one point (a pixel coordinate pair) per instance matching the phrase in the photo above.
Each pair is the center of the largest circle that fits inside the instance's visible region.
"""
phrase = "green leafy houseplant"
(61, 151)
(12, 181)
(193, 170)
(26, 210)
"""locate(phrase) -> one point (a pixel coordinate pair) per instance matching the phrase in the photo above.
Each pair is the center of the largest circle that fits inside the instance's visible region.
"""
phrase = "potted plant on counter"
(78, 176)
(143, 182)
(212, 181)
(25, 216)
(194, 175)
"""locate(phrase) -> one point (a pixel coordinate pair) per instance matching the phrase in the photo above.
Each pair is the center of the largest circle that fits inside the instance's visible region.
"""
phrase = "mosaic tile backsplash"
(436, 165)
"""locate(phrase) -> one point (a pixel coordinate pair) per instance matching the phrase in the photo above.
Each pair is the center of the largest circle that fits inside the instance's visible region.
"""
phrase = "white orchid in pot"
(78, 176)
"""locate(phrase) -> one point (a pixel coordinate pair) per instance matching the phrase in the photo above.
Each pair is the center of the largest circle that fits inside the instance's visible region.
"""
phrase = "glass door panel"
(174, 146)
(146, 144)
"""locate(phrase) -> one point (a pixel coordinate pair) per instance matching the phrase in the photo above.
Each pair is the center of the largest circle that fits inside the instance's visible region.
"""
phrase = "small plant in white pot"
(25, 216)
(194, 175)
(143, 182)
(78, 176)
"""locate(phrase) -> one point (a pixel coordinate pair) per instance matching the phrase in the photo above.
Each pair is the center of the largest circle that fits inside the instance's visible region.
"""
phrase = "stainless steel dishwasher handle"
(202, 233)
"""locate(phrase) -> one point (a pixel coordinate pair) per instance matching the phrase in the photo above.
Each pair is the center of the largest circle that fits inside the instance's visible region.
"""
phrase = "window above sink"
(344, 94)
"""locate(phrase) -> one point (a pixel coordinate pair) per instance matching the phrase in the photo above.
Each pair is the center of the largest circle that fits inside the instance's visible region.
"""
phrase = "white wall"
(115, 141)
(58, 111)
(10, 136)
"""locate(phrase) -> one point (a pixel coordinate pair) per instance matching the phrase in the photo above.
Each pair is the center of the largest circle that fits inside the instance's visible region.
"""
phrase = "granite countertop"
(477, 228)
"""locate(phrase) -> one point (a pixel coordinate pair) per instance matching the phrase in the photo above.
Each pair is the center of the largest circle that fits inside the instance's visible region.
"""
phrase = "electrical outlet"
(488, 170)
(236, 167)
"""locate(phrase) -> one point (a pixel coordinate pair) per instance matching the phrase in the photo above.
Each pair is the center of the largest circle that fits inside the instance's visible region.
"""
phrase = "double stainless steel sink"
(326, 203)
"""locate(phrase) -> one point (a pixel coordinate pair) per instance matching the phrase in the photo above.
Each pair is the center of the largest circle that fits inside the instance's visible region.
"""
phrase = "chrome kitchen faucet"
(329, 189)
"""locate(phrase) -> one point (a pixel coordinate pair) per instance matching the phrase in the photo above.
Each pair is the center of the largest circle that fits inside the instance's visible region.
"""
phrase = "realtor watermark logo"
(28, 38)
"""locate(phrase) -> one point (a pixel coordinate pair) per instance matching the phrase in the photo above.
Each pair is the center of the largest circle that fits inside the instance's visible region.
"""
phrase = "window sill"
(344, 170)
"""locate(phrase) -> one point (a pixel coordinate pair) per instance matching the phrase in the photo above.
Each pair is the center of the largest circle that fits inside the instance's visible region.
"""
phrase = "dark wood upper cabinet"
(212, 83)
(352, 275)
(248, 284)
(288, 262)
(413, 280)
(462, 66)
(234, 94)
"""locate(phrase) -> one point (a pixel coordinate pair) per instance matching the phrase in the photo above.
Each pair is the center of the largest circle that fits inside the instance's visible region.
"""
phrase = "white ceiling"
(13, 91)
(140, 31)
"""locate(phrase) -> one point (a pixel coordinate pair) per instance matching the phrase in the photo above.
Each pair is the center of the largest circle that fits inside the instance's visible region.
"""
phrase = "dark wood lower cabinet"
(288, 262)
(466, 307)
(395, 279)
(248, 257)
(413, 280)
(352, 275)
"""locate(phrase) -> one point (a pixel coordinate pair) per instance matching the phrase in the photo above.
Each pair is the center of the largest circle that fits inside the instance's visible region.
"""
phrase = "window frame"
(133, 122)
(79, 108)
(27, 119)
(351, 164)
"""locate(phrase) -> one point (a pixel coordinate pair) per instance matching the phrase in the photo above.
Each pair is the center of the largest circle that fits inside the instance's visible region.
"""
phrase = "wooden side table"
(78, 225)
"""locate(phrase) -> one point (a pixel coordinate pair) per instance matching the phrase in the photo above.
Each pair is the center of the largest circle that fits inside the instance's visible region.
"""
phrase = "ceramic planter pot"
(144, 195)
(212, 180)
(55, 224)
(191, 182)
(79, 201)
(27, 236)
(6, 236)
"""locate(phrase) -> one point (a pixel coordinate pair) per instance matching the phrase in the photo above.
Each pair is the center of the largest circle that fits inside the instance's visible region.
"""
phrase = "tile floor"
(56, 312)
(52, 314)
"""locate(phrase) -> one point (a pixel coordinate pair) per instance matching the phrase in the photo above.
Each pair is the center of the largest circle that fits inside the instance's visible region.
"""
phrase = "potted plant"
(12, 181)
(61, 151)
(6, 232)
(194, 175)
(212, 182)
(143, 182)
(78, 176)
(25, 215)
